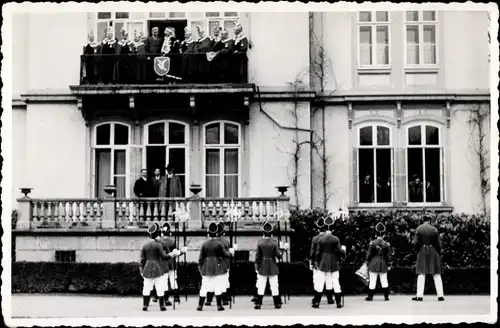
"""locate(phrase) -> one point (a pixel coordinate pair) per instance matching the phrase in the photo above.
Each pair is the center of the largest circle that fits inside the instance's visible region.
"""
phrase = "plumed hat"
(320, 223)
(329, 220)
(267, 227)
(169, 167)
(212, 228)
(154, 229)
(220, 228)
(166, 227)
(380, 227)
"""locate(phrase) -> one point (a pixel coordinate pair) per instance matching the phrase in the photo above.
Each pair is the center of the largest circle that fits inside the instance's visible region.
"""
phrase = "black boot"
(177, 299)
(154, 295)
(255, 296)
(316, 300)
(370, 295)
(258, 302)
(225, 298)
(219, 302)
(440, 298)
(329, 297)
(386, 293)
(162, 304)
(418, 299)
(167, 302)
(277, 302)
(338, 300)
(210, 297)
(201, 300)
(145, 302)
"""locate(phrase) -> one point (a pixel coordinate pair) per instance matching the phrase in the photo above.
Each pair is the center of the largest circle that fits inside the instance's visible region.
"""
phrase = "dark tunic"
(328, 253)
(175, 59)
(366, 192)
(378, 256)
(124, 61)
(314, 246)
(203, 46)
(155, 183)
(151, 255)
(139, 66)
(211, 260)
(428, 258)
(91, 62)
(227, 246)
(241, 44)
(223, 63)
(188, 62)
(108, 60)
(240, 60)
(142, 188)
(153, 49)
(168, 245)
(265, 257)
(416, 192)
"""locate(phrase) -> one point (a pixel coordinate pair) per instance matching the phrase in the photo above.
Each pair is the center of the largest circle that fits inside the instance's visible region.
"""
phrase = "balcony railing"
(182, 68)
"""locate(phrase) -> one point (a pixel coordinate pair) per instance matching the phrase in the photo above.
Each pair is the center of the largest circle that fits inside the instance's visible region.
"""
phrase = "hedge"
(465, 238)
(296, 279)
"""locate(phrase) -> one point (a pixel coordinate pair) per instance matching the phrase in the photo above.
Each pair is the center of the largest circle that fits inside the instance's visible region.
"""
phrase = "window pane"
(231, 14)
(195, 35)
(365, 45)
(102, 28)
(231, 161)
(176, 133)
(212, 134)
(177, 158)
(366, 173)
(103, 15)
(211, 26)
(135, 28)
(412, 34)
(431, 135)
(382, 16)
(231, 186)
(121, 134)
(382, 45)
(120, 162)
(383, 136)
(156, 133)
(229, 26)
(212, 186)
(429, 44)
(429, 15)
(412, 16)
(122, 15)
(414, 136)
(432, 175)
(384, 185)
(117, 28)
(365, 16)
(103, 134)
(155, 159)
(121, 186)
(212, 161)
(102, 170)
(156, 15)
(412, 45)
(231, 133)
(179, 14)
(429, 33)
(366, 136)
(415, 173)
(182, 178)
(136, 15)
(212, 14)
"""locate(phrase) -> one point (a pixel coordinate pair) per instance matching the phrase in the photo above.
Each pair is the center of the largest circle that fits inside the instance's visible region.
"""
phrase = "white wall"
(19, 167)
(20, 53)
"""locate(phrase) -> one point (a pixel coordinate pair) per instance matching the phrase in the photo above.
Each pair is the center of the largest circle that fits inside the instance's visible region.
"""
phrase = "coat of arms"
(161, 65)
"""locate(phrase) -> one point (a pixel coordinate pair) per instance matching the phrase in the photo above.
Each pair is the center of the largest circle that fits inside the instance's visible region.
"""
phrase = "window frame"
(423, 145)
(205, 21)
(420, 23)
(221, 146)
(126, 21)
(373, 24)
(391, 147)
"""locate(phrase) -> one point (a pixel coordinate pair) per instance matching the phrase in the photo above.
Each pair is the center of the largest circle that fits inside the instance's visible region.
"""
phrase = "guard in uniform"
(139, 65)
(377, 261)
(124, 58)
(241, 46)
(108, 60)
(320, 224)
(203, 45)
(327, 263)
(171, 274)
(266, 255)
(188, 62)
(213, 267)
(151, 268)
(90, 60)
(221, 227)
(428, 258)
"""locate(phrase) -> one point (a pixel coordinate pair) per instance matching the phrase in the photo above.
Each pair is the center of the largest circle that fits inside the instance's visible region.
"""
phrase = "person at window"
(124, 65)
(415, 190)
(430, 192)
(139, 66)
(108, 60)
(153, 48)
(378, 258)
(188, 48)
(241, 45)
(91, 60)
(383, 190)
(366, 189)
(171, 187)
(428, 241)
(141, 186)
(156, 182)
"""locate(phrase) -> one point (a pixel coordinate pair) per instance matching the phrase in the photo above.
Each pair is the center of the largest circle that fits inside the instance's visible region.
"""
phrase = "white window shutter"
(355, 176)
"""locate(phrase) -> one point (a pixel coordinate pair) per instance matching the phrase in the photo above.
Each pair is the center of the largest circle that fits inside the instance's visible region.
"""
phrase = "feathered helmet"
(212, 229)
(221, 227)
(90, 35)
(110, 30)
(267, 227)
(154, 230)
(166, 228)
(380, 228)
(329, 221)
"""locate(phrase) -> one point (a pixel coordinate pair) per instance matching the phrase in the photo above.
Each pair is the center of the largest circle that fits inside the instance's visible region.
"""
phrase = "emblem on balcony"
(162, 65)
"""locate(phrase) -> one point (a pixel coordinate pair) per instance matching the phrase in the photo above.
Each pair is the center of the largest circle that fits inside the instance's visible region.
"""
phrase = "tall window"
(131, 21)
(167, 143)
(222, 143)
(425, 164)
(373, 38)
(209, 20)
(111, 141)
(421, 34)
(375, 158)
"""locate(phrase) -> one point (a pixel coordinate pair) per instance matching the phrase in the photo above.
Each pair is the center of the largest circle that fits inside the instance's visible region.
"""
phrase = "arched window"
(375, 164)
(222, 148)
(110, 147)
(167, 142)
(424, 164)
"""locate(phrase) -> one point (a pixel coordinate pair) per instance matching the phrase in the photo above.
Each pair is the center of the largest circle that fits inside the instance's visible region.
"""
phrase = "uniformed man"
(151, 269)
(428, 258)
(108, 60)
(267, 253)
(188, 62)
(124, 60)
(215, 39)
(153, 49)
(377, 260)
(91, 60)
(240, 40)
(170, 273)
(212, 267)
(320, 224)
(221, 227)
(327, 263)
(139, 62)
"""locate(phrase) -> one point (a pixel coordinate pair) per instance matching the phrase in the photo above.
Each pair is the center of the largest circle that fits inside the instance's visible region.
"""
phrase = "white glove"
(231, 250)
(343, 248)
(184, 250)
(311, 267)
(235, 247)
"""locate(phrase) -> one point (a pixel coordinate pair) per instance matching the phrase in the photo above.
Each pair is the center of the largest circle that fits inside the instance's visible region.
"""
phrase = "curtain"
(120, 173)
(382, 45)
(212, 170)
(231, 173)
(103, 170)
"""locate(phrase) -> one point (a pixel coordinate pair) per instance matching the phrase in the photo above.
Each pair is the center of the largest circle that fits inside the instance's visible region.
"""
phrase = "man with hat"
(320, 225)
(327, 263)
(266, 255)
(170, 186)
(221, 227)
(213, 267)
(151, 269)
(377, 261)
(428, 258)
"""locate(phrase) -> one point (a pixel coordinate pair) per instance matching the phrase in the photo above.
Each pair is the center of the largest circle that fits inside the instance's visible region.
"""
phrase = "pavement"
(92, 306)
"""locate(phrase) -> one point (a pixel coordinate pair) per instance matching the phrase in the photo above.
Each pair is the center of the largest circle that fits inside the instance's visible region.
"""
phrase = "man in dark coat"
(156, 182)
(171, 274)
(428, 241)
(221, 227)
(142, 188)
(170, 186)
(153, 48)
(212, 267)
(320, 224)
(91, 60)
(377, 260)
(327, 263)
(151, 269)
(266, 255)
(415, 190)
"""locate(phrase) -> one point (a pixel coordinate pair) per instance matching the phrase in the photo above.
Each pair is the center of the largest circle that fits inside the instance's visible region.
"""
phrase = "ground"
(90, 306)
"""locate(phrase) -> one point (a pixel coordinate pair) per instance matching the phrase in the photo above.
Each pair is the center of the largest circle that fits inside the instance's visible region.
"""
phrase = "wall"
(19, 167)
(20, 53)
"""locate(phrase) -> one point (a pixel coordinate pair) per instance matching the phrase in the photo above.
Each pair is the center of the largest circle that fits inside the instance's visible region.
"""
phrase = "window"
(374, 164)
(226, 20)
(373, 28)
(222, 145)
(131, 21)
(111, 142)
(65, 256)
(424, 164)
(421, 32)
(167, 143)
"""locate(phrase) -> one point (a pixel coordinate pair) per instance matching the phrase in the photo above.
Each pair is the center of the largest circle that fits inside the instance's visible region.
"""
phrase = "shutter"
(355, 176)
(442, 187)
(400, 168)
(135, 166)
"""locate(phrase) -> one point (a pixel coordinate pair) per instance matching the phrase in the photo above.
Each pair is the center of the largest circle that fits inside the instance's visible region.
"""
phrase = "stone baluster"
(141, 211)
(78, 217)
(70, 212)
(155, 211)
(163, 211)
(148, 210)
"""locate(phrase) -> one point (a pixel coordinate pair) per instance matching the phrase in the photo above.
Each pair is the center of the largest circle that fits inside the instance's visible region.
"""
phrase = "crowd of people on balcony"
(215, 58)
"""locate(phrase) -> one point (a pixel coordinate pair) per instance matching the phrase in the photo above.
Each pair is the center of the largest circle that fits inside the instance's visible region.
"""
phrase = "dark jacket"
(151, 255)
(227, 246)
(314, 247)
(142, 188)
(265, 257)
(211, 260)
(155, 186)
(153, 46)
(168, 246)
(241, 44)
(378, 256)
(173, 190)
(328, 253)
(429, 255)
(228, 46)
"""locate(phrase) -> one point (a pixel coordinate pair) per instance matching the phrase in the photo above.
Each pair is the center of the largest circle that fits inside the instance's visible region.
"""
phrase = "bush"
(295, 279)
(14, 216)
(465, 238)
